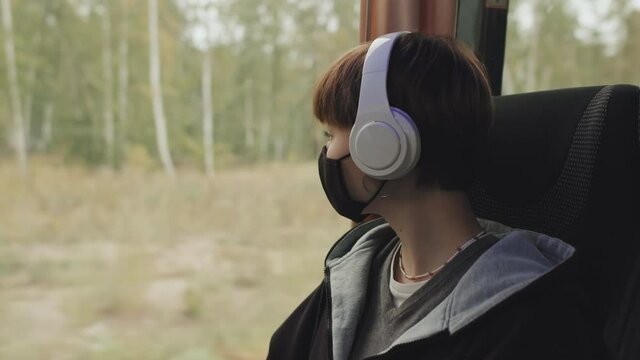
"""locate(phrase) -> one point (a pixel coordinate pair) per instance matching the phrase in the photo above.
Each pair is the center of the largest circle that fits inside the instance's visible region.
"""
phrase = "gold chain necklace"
(431, 273)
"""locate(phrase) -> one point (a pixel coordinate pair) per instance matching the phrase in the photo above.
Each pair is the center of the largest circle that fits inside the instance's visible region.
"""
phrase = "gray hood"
(516, 260)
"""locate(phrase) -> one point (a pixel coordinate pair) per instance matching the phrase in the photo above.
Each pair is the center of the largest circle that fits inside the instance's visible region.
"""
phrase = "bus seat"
(567, 163)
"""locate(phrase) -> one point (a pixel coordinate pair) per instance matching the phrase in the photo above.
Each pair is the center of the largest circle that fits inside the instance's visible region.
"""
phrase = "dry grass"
(132, 265)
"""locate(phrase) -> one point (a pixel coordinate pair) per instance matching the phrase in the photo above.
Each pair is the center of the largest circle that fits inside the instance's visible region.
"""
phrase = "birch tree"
(46, 131)
(28, 106)
(249, 122)
(207, 111)
(123, 74)
(532, 60)
(156, 91)
(107, 104)
(208, 29)
(272, 29)
(18, 131)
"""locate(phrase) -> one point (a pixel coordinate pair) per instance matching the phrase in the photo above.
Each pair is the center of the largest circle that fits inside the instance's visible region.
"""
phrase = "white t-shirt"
(399, 291)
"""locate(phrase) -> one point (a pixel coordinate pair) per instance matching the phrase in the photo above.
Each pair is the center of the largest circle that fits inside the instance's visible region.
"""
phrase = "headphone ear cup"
(377, 148)
(411, 140)
(386, 149)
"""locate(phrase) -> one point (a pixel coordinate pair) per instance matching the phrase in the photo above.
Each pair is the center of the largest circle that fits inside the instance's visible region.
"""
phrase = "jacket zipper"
(328, 287)
(329, 324)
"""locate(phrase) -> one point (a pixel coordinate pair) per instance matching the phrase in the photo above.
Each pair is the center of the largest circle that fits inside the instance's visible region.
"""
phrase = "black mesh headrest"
(567, 163)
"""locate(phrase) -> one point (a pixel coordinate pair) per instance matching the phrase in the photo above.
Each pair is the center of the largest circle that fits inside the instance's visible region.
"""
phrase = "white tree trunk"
(18, 138)
(249, 121)
(507, 81)
(123, 75)
(28, 108)
(156, 90)
(531, 83)
(265, 135)
(107, 110)
(279, 143)
(47, 128)
(26, 117)
(207, 111)
(266, 119)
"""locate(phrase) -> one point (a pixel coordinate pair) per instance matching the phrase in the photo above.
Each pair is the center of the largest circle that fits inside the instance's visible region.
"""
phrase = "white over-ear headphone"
(384, 141)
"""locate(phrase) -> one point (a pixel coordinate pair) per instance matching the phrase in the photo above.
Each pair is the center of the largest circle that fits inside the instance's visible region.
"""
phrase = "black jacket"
(520, 300)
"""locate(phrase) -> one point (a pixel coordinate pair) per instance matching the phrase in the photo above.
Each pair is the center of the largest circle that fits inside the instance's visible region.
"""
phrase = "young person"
(407, 118)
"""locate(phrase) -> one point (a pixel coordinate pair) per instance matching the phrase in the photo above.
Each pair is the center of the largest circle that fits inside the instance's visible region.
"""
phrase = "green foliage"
(266, 57)
(556, 44)
(261, 78)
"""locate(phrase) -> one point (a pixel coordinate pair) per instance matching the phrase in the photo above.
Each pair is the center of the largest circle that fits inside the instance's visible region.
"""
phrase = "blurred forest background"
(158, 188)
(216, 83)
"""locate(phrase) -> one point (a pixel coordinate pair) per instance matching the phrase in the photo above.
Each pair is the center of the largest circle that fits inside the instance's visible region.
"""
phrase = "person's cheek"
(353, 178)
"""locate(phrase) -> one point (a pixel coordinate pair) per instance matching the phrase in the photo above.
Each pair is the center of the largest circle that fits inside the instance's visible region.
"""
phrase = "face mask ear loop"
(379, 190)
(375, 196)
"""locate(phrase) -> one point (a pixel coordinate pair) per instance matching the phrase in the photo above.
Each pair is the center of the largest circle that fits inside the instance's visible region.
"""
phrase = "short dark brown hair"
(440, 84)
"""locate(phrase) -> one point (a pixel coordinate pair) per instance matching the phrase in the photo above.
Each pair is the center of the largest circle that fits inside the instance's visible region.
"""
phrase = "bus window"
(558, 44)
(159, 195)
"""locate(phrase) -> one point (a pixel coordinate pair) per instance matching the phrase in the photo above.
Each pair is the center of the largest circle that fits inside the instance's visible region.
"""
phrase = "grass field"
(132, 265)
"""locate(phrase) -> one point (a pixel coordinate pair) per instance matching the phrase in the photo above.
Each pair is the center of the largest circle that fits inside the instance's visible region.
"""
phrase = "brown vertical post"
(431, 17)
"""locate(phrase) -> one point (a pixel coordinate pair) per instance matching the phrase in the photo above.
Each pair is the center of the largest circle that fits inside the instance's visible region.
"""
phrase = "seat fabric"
(567, 163)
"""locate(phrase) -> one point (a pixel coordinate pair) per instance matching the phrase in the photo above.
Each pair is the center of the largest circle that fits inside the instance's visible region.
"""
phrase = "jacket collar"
(526, 254)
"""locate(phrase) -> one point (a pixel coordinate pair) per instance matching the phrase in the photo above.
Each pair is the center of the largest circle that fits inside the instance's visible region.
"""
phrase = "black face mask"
(333, 183)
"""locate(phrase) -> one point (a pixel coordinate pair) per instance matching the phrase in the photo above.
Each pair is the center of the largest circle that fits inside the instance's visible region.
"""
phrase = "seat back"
(567, 163)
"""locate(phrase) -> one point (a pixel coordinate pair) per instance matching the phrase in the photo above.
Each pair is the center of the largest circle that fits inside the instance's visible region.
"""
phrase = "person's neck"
(431, 226)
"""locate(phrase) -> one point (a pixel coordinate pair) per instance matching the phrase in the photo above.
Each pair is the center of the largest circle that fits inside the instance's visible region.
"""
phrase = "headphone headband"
(373, 90)
(384, 142)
